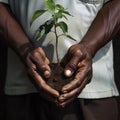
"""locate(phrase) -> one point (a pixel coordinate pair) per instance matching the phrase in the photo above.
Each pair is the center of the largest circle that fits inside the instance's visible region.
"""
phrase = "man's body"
(102, 83)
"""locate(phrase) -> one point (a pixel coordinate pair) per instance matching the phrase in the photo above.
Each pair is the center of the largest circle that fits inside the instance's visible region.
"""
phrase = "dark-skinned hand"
(37, 65)
(78, 62)
(34, 58)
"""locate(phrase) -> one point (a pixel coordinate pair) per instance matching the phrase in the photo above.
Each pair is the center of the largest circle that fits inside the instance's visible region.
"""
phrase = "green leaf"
(63, 26)
(64, 17)
(41, 33)
(61, 9)
(66, 12)
(70, 37)
(45, 28)
(36, 15)
(58, 15)
(48, 25)
(50, 5)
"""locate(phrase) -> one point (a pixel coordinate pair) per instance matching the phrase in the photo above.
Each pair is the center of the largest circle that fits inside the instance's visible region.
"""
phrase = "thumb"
(71, 67)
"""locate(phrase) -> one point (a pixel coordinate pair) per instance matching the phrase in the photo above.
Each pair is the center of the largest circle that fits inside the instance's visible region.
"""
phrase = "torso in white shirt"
(84, 11)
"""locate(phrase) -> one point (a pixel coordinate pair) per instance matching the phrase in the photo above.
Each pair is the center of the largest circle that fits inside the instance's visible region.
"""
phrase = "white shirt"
(84, 11)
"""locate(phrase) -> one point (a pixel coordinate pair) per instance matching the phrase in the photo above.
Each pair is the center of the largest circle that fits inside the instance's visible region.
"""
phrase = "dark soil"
(57, 79)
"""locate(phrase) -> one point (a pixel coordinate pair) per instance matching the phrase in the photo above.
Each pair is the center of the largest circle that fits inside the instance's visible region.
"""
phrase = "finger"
(42, 84)
(65, 103)
(48, 97)
(74, 93)
(46, 60)
(82, 73)
(30, 64)
(41, 62)
(71, 66)
(69, 96)
(79, 77)
(45, 65)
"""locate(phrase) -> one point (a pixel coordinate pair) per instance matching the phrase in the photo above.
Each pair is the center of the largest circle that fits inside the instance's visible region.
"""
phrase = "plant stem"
(58, 61)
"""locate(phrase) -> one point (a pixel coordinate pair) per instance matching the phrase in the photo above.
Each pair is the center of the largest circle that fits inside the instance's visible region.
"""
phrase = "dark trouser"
(32, 107)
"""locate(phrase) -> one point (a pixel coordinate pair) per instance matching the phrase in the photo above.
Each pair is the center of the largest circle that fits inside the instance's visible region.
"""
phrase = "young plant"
(57, 13)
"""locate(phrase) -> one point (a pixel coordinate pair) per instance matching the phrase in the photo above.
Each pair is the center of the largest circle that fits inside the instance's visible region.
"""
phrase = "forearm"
(104, 27)
(11, 29)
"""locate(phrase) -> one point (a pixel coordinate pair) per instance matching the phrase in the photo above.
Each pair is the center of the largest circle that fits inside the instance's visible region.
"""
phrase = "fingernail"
(65, 91)
(61, 99)
(47, 74)
(33, 67)
(68, 73)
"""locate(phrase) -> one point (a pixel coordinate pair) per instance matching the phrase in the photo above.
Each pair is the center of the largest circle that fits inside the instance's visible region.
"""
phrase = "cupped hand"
(78, 62)
(38, 68)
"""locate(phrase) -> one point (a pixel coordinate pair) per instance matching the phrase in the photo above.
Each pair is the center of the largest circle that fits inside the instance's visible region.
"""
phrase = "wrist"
(25, 49)
(89, 47)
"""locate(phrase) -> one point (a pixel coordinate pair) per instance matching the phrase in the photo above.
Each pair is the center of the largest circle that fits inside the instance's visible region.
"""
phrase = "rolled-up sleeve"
(3, 1)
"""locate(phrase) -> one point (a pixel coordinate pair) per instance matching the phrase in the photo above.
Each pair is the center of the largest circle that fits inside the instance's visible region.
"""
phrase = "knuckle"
(78, 52)
(72, 66)
(35, 53)
(43, 68)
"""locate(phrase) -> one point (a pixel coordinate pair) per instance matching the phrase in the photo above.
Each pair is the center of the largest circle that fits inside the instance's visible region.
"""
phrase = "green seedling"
(57, 12)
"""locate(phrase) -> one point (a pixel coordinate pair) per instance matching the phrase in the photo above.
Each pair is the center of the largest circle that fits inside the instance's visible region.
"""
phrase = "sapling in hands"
(57, 12)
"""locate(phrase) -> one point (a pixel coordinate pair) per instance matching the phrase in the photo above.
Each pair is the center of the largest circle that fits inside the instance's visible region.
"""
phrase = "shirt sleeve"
(4, 1)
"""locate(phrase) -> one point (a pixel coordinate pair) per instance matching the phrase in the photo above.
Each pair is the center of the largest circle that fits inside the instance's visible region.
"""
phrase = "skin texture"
(78, 58)
(34, 59)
